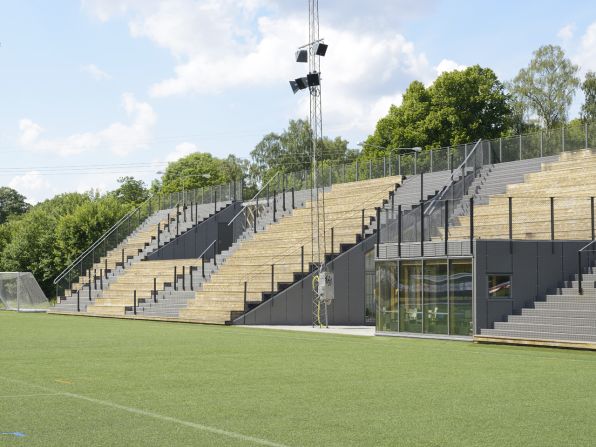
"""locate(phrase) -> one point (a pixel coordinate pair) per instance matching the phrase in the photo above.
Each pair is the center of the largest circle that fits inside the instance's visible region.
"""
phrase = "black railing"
(589, 252)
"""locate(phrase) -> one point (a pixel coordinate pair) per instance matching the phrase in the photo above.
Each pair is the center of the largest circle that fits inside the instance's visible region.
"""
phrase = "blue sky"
(98, 89)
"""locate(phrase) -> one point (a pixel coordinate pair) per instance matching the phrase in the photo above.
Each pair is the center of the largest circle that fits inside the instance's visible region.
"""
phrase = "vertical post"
(362, 225)
(95, 279)
(293, 204)
(592, 214)
(378, 210)
(183, 277)
(272, 279)
(78, 300)
(446, 223)
(332, 241)
(192, 219)
(399, 231)
(214, 201)
(175, 279)
(155, 290)
(190, 270)
(169, 220)
(283, 199)
(256, 214)
(105, 266)
(267, 195)
(510, 200)
(100, 279)
(579, 273)
(203, 265)
(302, 260)
(244, 307)
(177, 219)
(422, 228)
(89, 284)
(472, 225)
(184, 207)
(158, 235)
(274, 205)
(421, 186)
(415, 163)
(134, 302)
(552, 218)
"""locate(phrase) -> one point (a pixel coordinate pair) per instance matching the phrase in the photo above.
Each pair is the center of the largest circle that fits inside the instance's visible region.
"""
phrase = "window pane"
(410, 296)
(499, 286)
(387, 319)
(460, 285)
(435, 297)
(370, 305)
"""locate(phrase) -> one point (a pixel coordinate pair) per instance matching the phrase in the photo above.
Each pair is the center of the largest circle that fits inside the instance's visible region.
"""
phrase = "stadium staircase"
(570, 181)
(566, 317)
(156, 231)
(274, 259)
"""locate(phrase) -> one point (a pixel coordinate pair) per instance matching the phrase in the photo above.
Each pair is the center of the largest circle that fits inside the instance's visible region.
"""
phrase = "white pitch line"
(30, 395)
(202, 427)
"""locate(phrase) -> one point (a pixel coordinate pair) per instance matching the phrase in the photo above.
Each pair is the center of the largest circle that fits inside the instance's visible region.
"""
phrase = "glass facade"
(370, 305)
(433, 296)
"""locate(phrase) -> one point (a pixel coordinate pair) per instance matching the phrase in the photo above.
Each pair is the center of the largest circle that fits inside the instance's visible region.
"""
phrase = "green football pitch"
(74, 381)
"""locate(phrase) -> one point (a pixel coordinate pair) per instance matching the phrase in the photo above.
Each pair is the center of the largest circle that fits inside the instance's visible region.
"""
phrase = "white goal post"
(20, 291)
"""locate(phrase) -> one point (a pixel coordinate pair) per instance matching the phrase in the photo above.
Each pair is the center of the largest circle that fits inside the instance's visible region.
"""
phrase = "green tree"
(291, 151)
(589, 88)
(196, 170)
(11, 203)
(131, 190)
(461, 106)
(547, 85)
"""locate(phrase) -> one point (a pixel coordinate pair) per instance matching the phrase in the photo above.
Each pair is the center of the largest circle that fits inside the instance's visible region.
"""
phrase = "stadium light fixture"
(301, 56)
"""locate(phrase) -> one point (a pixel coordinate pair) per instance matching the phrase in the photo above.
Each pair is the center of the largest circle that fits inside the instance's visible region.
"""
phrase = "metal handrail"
(254, 197)
(205, 251)
(580, 267)
(100, 240)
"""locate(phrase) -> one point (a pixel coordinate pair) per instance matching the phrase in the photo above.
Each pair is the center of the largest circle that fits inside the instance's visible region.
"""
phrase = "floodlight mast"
(316, 128)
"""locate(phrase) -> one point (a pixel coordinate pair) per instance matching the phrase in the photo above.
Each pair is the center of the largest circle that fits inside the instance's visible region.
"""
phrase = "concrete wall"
(192, 243)
(537, 268)
(293, 306)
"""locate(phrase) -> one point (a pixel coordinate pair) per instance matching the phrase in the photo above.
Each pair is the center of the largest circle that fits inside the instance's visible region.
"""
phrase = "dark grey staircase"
(565, 316)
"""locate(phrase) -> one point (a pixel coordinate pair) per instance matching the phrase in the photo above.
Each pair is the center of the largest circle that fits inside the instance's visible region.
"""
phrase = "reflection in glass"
(370, 306)
(499, 286)
(460, 290)
(436, 305)
(385, 291)
(410, 296)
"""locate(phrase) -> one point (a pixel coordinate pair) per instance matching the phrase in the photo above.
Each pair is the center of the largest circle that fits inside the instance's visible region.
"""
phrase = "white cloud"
(586, 53)
(32, 185)
(181, 150)
(566, 33)
(120, 139)
(226, 44)
(95, 72)
(448, 65)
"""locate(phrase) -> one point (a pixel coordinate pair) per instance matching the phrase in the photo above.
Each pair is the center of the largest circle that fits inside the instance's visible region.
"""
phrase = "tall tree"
(11, 203)
(196, 170)
(291, 151)
(547, 85)
(460, 106)
(131, 190)
(589, 89)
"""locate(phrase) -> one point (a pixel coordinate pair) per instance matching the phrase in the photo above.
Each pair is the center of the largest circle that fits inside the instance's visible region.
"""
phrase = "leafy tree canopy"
(131, 190)
(589, 88)
(11, 203)
(547, 86)
(459, 107)
(291, 151)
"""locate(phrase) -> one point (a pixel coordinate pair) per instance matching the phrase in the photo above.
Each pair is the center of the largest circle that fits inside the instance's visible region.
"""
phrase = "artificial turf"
(67, 381)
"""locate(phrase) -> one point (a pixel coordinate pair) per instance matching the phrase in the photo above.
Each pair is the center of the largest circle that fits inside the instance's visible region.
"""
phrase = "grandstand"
(460, 235)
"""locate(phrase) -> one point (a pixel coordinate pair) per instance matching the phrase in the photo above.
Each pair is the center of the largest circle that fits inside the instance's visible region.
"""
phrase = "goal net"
(20, 291)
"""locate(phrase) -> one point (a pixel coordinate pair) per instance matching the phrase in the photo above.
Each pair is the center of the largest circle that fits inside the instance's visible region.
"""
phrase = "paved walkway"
(365, 331)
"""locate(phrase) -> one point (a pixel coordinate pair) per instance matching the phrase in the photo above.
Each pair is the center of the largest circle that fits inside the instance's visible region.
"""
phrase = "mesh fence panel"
(21, 292)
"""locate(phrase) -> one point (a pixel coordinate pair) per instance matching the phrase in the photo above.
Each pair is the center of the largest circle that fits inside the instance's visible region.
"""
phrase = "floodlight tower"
(311, 53)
